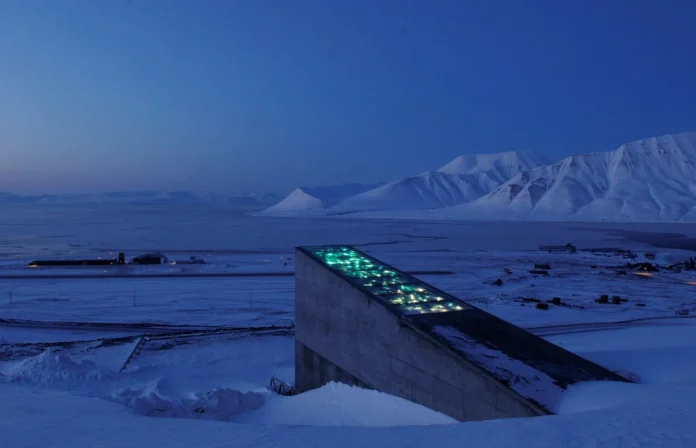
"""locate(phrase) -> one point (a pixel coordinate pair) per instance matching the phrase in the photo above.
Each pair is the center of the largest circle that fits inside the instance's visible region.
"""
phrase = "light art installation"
(397, 288)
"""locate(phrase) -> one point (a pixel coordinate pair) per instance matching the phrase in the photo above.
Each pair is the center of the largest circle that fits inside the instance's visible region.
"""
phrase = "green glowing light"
(411, 296)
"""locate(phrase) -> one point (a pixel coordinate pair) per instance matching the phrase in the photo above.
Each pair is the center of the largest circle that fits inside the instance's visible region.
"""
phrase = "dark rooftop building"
(150, 258)
(360, 321)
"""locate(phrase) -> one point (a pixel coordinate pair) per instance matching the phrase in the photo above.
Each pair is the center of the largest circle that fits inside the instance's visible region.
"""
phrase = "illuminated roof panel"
(408, 294)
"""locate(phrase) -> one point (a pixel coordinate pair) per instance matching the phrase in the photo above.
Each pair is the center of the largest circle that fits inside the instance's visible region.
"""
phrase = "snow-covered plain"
(81, 385)
(649, 180)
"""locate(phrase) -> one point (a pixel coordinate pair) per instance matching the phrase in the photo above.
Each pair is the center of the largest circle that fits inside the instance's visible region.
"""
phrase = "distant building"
(150, 258)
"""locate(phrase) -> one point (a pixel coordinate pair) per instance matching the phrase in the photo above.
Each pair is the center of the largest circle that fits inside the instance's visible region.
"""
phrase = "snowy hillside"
(462, 180)
(501, 165)
(296, 202)
(646, 180)
(314, 200)
(432, 189)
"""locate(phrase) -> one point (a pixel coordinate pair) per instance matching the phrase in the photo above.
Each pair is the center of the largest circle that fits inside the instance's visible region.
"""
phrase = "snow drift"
(332, 405)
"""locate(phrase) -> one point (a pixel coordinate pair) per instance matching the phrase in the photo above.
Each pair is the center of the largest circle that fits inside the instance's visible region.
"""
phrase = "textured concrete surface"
(344, 334)
(369, 345)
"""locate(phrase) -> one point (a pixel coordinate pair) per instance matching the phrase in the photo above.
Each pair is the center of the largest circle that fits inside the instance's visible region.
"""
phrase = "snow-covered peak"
(507, 162)
(684, 143)
(296, 202)
(647, 180)
(333, 194)
(653, 179)
(313, 200)
(462, 180)
(432, 189)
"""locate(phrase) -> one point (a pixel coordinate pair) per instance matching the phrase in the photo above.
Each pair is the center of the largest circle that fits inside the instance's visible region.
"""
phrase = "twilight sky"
(230, 95)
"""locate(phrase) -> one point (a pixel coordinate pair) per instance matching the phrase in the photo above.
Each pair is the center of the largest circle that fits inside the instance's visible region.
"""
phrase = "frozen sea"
(58, 230)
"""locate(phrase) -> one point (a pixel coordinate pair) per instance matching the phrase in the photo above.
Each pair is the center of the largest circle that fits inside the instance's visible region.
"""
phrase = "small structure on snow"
(567, 248)
(80, 262)
(150, 258)
(645, 267)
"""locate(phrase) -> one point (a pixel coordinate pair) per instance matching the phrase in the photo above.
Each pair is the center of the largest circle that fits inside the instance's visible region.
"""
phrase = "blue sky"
(230, 95)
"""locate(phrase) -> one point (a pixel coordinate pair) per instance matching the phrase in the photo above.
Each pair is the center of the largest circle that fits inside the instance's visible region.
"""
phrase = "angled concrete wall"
(342, 334)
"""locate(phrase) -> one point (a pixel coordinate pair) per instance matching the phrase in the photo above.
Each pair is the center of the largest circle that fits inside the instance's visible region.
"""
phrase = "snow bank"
(341, 405)
(217, 404)
(662, 353)
(51, 367)
(153, 392)
(331, 405)
(660, 412)
(78, 421)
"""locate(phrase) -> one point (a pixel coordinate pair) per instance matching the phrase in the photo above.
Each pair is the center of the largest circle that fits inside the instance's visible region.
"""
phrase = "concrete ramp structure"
(361, 322)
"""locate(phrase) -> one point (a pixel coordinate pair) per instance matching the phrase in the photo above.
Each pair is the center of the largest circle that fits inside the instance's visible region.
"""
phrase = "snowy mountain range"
(462, 180)
(250, 200)
(647, 180)
(311, 200)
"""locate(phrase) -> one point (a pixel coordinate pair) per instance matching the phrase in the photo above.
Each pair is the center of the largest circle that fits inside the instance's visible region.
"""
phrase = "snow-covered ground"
(577, 279)
(97, 384)
(658, 412)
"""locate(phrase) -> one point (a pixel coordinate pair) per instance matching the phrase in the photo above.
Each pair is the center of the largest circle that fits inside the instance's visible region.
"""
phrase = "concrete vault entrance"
(362, 322)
